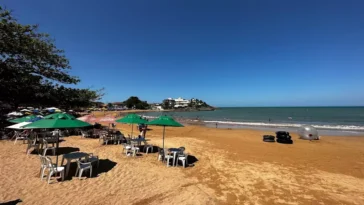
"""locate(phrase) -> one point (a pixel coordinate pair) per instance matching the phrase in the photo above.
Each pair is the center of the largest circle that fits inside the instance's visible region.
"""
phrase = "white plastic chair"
(83, 166)
(147, 147)
(21, 136)
(16, 134)
(53, 169)
(160, 154)
(84, 134)
(105, 138)
(32, 143)
(168, 157)
(93, 158)
(164, 156)
(126, 148)
(46, 148)
(183, 158)
(118, 138)
(43, 166)
(134, 149)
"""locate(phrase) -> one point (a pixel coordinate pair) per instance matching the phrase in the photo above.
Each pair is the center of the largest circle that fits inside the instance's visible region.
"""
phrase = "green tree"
(110, 105)
(31, 66)
(168, 104)
(165, 104)
(135, 102)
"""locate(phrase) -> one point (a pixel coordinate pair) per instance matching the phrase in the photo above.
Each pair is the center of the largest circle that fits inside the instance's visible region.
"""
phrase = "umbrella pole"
(57, 146)
(132, 126)
(164, 130)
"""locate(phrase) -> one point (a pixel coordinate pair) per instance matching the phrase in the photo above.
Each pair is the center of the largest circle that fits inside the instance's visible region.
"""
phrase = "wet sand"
(232, 167)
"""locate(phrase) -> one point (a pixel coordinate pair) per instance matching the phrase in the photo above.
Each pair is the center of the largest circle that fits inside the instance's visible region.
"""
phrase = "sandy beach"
(231, 167)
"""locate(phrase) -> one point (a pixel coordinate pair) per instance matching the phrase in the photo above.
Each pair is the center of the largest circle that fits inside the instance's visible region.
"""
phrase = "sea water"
(328, 120)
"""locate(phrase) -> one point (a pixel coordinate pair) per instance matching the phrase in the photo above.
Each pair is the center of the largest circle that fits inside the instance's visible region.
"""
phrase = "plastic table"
(72, 156)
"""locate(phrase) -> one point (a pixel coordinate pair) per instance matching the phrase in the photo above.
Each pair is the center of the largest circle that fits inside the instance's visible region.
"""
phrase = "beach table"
(72, 156)
(44, 135)
(174, 151)
(139, 140)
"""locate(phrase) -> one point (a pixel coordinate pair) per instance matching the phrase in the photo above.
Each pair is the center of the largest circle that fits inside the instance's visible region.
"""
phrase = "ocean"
(328, 120)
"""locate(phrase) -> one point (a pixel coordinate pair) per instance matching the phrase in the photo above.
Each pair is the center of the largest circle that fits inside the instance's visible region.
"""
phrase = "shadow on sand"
(105, 165)
(60, 151)
(12, 202)
(154, 150)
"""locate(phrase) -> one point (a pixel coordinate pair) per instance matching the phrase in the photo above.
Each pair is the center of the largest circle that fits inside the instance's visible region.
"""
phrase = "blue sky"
(228, 53)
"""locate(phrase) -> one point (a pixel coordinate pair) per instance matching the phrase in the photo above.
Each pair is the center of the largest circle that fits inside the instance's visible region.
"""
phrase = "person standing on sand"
(143, 132)
(216, 125)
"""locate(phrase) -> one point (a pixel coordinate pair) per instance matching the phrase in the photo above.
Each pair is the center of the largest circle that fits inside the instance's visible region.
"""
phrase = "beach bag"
(268, 138)
(282, 135)
(285, 141)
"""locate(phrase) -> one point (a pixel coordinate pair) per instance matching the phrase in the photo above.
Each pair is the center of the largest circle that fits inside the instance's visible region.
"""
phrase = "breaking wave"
(293, 125)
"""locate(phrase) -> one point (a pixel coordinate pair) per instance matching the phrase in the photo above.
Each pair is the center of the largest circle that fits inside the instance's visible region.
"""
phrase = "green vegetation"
(196, 103)
(110, 105)
(32, 69)
(168, 104)
(134, 102)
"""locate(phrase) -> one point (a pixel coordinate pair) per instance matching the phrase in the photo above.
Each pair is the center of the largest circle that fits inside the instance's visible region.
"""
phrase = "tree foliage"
(110, 105)
(31, 66)
(168, 104)
(136, 103)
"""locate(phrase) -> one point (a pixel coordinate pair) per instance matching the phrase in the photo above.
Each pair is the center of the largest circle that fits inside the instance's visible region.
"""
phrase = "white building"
(156, 106)
(180, 102)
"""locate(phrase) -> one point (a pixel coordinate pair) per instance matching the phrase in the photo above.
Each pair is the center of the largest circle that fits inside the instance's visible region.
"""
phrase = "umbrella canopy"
(57, 115)
(107, 119)
(23, 119)
(88, 118)
(18, 126)
(51, 108)
(57, 120)
(15, 114)
(84, 118)
(132, 119)
(91, 119)
(36, 118)
(165, 121)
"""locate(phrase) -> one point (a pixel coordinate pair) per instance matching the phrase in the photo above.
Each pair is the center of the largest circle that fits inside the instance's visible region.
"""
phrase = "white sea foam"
(289, 125)
(258, 124)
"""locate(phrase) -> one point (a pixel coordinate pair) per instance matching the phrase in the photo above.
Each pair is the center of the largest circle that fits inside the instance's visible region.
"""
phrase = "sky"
(227, 53)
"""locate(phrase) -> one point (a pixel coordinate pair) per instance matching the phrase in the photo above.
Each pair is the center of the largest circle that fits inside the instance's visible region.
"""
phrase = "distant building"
(98, 104)
(156, 106)
(180, 102)
(118, 106)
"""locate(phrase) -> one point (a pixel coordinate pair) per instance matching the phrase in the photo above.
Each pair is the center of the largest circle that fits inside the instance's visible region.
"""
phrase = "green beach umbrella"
(57, 121)
(132, 119)
(23, 119)
(57, 115)
(165, 121)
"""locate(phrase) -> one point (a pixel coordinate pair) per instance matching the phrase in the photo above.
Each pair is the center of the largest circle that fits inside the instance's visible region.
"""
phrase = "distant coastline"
(189, 109)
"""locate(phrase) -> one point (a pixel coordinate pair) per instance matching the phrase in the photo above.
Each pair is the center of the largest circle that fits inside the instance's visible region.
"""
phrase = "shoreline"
(227, 125)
